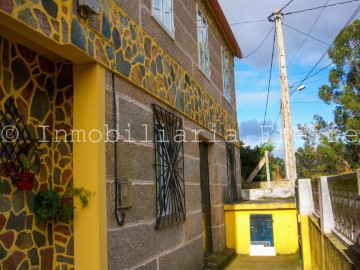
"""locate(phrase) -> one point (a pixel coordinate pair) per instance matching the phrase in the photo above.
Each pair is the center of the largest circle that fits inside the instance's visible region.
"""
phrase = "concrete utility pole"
(289, 153)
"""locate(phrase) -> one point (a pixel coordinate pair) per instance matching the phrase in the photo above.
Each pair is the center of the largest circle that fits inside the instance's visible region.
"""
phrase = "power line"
(285, 6)
(268, 90)
(324, 54)
(307, 35)
(270, 19)
(322, 70)
(301, 102)
(326, 6)
(272, 131)
(297, 30)
(262, 42)
(237, 23)
(295, 74)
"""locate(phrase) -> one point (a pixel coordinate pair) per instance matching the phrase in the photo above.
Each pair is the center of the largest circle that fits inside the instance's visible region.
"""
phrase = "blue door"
(261, 230)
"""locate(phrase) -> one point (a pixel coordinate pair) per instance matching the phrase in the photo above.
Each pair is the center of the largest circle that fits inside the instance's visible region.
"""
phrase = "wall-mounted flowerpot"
(24, 181)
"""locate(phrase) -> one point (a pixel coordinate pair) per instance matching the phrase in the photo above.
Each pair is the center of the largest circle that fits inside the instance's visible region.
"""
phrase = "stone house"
(135, 101)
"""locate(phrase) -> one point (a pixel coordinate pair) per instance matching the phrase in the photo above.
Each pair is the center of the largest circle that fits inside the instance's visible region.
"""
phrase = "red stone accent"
(47, 256)
(68, 109)
(100, 54)
(136, 75)
(49, 120)
(28, 91)
(43, 187)
(26, 53)
(56, 156)
(2, 94)
(63, 230)
(49, 162)
(13, 261)
(66, 176)
(7, 239)
(60, 238)
(7, 6)
(43, 173)
(94, 23)
(2, 221)
(23, 108)
(63, 126)
(55, 24)
(154, 51)
(69, 93)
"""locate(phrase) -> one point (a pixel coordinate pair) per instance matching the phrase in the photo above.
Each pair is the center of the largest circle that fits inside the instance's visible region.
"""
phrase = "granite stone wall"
(115, 40)
(43, 92)
(137, 244)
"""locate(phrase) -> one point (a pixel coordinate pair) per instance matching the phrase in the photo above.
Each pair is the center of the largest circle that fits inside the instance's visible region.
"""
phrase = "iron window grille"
(231, 172)
(13, 136)
(169, 166)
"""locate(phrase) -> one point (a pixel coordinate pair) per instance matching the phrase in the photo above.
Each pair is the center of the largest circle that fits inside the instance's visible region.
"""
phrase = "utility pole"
(289, 153)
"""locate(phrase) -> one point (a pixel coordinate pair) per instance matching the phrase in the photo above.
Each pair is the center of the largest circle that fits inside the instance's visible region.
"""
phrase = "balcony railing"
(345, 204)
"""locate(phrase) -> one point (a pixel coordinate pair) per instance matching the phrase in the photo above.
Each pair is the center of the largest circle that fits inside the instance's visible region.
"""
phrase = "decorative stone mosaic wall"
(43, 92)
(115, 40)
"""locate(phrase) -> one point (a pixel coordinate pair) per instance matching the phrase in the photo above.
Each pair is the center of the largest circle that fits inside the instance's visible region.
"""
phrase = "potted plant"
(29, 161)
(51, 204)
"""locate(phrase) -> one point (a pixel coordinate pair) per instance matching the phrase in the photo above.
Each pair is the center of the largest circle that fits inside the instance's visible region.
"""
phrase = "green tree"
(332, 148)
(250, 158)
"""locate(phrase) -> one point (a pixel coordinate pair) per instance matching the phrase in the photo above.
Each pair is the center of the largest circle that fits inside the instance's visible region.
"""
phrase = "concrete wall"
(237, 219)
(137, 244)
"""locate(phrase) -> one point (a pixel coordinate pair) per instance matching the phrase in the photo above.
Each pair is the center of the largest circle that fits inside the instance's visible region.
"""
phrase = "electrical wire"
(326, 6)
(285, 6)
(262, 42)
(269, 83)
(295, 74)
(272, 131)
(279, 12)
(297, 30)
(324, 54)
(237, 23)
(307, 35)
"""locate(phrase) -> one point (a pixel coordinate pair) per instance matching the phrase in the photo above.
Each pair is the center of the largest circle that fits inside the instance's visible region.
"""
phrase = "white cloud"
(250, 35)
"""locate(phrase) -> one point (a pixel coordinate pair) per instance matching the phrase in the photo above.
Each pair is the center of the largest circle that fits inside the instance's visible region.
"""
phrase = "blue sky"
(252, 73)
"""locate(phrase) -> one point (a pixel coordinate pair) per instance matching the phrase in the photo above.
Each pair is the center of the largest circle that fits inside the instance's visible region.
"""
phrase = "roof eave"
(222, 21)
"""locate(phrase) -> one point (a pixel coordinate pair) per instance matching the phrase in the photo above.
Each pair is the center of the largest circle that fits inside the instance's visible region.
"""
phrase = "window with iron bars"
(231, 172)
(14, 136)
(169, 166)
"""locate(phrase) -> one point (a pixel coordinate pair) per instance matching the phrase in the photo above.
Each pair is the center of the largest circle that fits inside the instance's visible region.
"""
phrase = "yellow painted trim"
(260, 206)
(305, 234)
(90, 223)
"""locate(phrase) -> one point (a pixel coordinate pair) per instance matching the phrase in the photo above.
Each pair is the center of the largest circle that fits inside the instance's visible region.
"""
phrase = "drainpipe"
(120, 216)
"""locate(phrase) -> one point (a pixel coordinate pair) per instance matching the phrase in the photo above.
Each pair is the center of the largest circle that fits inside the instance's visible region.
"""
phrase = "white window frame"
(160, 21)
(207, 72)
(225, 64)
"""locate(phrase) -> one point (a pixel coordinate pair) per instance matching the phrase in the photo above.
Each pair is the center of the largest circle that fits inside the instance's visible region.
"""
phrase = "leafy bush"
(50, 204)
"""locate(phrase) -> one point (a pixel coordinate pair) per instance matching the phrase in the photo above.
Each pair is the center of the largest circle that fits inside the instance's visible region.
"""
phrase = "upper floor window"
(203, 43)
(164, 13)
(226, 75)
